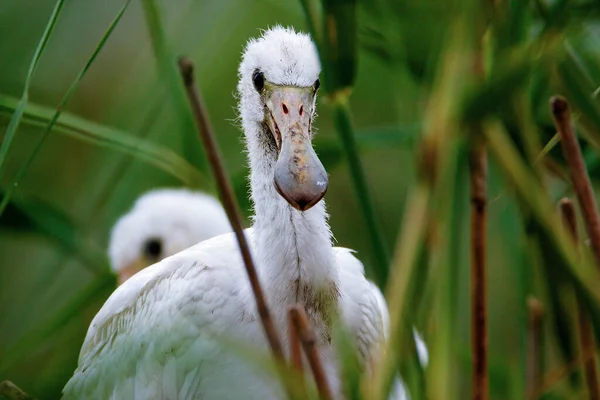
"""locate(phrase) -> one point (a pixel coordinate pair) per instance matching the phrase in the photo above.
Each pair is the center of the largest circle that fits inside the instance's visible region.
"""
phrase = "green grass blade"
(350, 372)
(341, 112)
(580, 269)
(444, 266)
(18, 114)
(59, 227)
(63, 103)
(410, 240)
(332, 154)
(580, 90)
(167, 66)
(436, 141)
(339, 45)
(32, 215)
(313, 10)
(559, 293)
(508, 77)
(160, 157)
(34, 338)
(338, 53)
(375, 138)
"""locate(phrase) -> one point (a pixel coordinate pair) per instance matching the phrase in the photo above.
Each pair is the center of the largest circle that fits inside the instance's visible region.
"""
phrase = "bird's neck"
(293, 249)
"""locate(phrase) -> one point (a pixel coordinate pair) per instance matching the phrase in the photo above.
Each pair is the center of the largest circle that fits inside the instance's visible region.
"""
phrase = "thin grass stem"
(16, 117)
(478, 179)
(579, 267)
(479, 335)
(325, 19)
(154, 154)
(342, 120)
(232, 209)
(586, 333)
(309, 344)
(10, 391)
(558, 374)
(589, 208)
(295, 344)
(409, 243)
(579, 175)
(165, 58)
(535, 315)
(313, 11)
(61, 106)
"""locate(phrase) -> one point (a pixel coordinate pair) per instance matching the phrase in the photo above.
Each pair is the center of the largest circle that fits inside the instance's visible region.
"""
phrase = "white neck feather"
(293, 248)
(293, 252)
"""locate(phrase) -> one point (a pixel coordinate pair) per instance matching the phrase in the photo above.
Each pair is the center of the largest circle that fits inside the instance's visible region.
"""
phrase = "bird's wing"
(421, 347)
(147, 339)
(362, 305)
(366, 313)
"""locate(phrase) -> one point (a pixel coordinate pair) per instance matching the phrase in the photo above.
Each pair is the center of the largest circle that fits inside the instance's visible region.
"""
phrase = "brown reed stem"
(535, 314)
(231, 207)
(578, 172)
(586, 340)
(309, 344)
(478, 166)
(478, 172)
(586, 333)
(10, 391)
(295, 345)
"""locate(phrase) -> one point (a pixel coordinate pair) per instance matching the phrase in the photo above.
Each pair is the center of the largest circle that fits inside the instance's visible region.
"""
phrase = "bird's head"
(279, 80)
(161, 223)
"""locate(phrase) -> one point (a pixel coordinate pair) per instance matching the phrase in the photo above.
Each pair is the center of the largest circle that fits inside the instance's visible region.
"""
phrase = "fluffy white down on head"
(285, 57)
(178, 218)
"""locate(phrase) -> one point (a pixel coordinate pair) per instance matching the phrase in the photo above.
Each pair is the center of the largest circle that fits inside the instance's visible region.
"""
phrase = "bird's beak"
(131, 269)
(300, 178)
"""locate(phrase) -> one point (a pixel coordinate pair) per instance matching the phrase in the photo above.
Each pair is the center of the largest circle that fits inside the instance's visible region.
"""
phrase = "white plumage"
(163, 333)
(163, 222)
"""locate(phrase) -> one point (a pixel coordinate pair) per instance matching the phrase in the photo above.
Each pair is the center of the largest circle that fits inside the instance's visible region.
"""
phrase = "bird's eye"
(259, 80)
(317, 84)
(153, 249)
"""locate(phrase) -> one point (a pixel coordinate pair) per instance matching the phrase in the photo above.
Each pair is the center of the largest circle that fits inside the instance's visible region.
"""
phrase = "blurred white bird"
(163, 334)
(163, 222)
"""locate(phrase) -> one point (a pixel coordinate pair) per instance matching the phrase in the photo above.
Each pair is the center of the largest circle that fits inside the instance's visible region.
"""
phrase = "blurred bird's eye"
(317, 84)
(153, 248)
(259, 80)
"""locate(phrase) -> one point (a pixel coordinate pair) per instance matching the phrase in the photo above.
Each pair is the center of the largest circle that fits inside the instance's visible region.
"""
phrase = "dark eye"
(259, 80)
(153, 249)
(317, 84)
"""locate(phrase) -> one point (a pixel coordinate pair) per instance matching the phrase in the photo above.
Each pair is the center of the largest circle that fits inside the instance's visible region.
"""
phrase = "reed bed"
(445, 163)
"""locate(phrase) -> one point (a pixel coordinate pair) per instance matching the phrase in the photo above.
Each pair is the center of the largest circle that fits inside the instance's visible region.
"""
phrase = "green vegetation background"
(53, 270)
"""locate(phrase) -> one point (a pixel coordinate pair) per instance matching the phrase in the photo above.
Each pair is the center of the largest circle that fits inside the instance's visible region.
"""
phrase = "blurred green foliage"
(127, 128)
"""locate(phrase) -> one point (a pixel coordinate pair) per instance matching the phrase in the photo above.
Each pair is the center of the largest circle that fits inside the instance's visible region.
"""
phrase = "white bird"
(163, 334)
(163, 222)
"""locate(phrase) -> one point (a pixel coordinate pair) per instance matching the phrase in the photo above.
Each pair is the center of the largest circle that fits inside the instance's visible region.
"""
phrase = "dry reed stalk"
(586, 339)
(10, 391)
(586, 333)
(295, 345)
(535, 315)
(578, 172)
(309, 344)
(478, 167)
(478, 172)
(229, 203)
